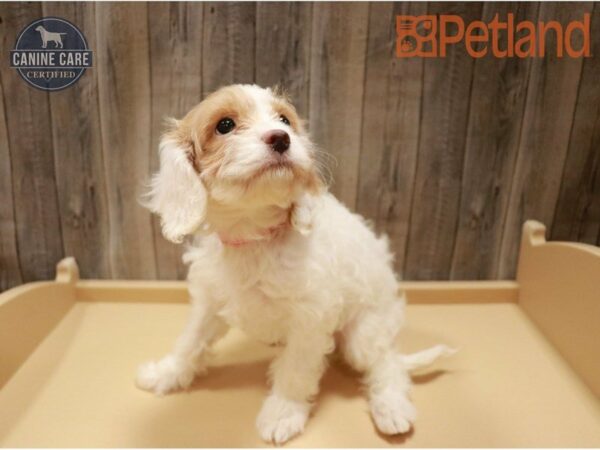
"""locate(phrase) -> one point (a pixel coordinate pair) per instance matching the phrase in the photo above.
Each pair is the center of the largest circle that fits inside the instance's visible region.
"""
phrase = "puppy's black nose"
(279, 140)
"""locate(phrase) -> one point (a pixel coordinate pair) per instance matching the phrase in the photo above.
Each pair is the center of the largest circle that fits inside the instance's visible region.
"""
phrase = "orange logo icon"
(417, 36)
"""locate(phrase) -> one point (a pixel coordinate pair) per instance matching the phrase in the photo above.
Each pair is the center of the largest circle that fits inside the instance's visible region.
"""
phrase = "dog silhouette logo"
(416, 36)
(49, 36)
(51, 54)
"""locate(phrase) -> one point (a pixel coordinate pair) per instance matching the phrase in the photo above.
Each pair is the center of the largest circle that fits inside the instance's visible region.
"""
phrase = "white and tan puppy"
(278, 256)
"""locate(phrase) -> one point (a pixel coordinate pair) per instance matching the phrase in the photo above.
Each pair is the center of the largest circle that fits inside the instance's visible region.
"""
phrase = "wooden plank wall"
(448, 156)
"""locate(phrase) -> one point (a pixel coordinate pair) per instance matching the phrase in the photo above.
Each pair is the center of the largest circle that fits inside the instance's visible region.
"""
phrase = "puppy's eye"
(225, 125)
(284, 119)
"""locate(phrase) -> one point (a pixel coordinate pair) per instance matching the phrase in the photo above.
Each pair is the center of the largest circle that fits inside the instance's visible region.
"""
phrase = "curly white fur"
(325, 274)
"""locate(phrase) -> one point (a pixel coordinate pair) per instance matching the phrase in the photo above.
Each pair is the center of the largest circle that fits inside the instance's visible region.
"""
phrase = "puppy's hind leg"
(187, 359)
(368, 346)
(388, 386)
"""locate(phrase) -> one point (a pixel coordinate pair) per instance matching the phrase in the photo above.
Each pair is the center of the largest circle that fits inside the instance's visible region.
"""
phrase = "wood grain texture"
(228, 51)
(448, 156)
(78, 154)
(39, 237)
(283, 33)
(577, 214)
(10, 271)
(549, 111)
(390, 127)
(176, 86)
(338, 47)
(495, 116)
(444, 118)
(124, 91)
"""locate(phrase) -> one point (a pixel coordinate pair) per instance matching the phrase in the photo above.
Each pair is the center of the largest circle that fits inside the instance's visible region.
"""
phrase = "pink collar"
(265, 235)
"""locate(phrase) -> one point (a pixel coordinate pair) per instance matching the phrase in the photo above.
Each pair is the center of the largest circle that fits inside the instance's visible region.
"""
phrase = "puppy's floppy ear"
(301, 216)
(303, 209)
(176, 192)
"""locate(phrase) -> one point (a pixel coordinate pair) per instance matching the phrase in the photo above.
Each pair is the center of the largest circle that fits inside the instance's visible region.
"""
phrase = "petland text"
(430, 35)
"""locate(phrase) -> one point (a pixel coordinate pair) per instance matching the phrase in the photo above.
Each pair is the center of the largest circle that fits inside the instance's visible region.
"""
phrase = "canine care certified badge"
(51, 54)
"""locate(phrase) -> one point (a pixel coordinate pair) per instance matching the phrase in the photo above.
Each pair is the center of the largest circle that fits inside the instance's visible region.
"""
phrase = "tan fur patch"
(283, 107)
(200, 124)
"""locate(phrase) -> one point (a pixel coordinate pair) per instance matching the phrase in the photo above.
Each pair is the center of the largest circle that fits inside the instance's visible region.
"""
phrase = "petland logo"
(429, 36)
(51, 54)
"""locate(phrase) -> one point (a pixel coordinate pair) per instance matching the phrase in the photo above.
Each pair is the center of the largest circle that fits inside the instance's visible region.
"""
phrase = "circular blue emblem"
(51, 54)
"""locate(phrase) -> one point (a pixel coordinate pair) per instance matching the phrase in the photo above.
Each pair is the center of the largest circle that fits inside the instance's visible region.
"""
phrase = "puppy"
(278, 256)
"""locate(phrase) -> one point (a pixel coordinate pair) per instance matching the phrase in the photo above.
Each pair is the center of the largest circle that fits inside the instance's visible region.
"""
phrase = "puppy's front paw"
(393, 413)
(165, 375)
(281, 419)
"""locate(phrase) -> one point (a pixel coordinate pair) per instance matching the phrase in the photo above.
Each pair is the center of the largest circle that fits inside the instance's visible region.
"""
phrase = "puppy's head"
(242, 147)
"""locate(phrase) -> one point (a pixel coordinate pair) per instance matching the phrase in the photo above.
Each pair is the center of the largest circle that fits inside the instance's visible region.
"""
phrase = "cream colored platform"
(70, 349)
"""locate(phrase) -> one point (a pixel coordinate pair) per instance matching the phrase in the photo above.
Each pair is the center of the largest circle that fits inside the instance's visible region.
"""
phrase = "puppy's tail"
(414, 361)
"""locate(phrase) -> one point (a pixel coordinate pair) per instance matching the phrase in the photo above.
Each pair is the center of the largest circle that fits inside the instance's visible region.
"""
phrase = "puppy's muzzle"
(278, 140)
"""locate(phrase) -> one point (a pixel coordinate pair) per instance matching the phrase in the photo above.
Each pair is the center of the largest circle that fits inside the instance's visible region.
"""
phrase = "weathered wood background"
(448, 156)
